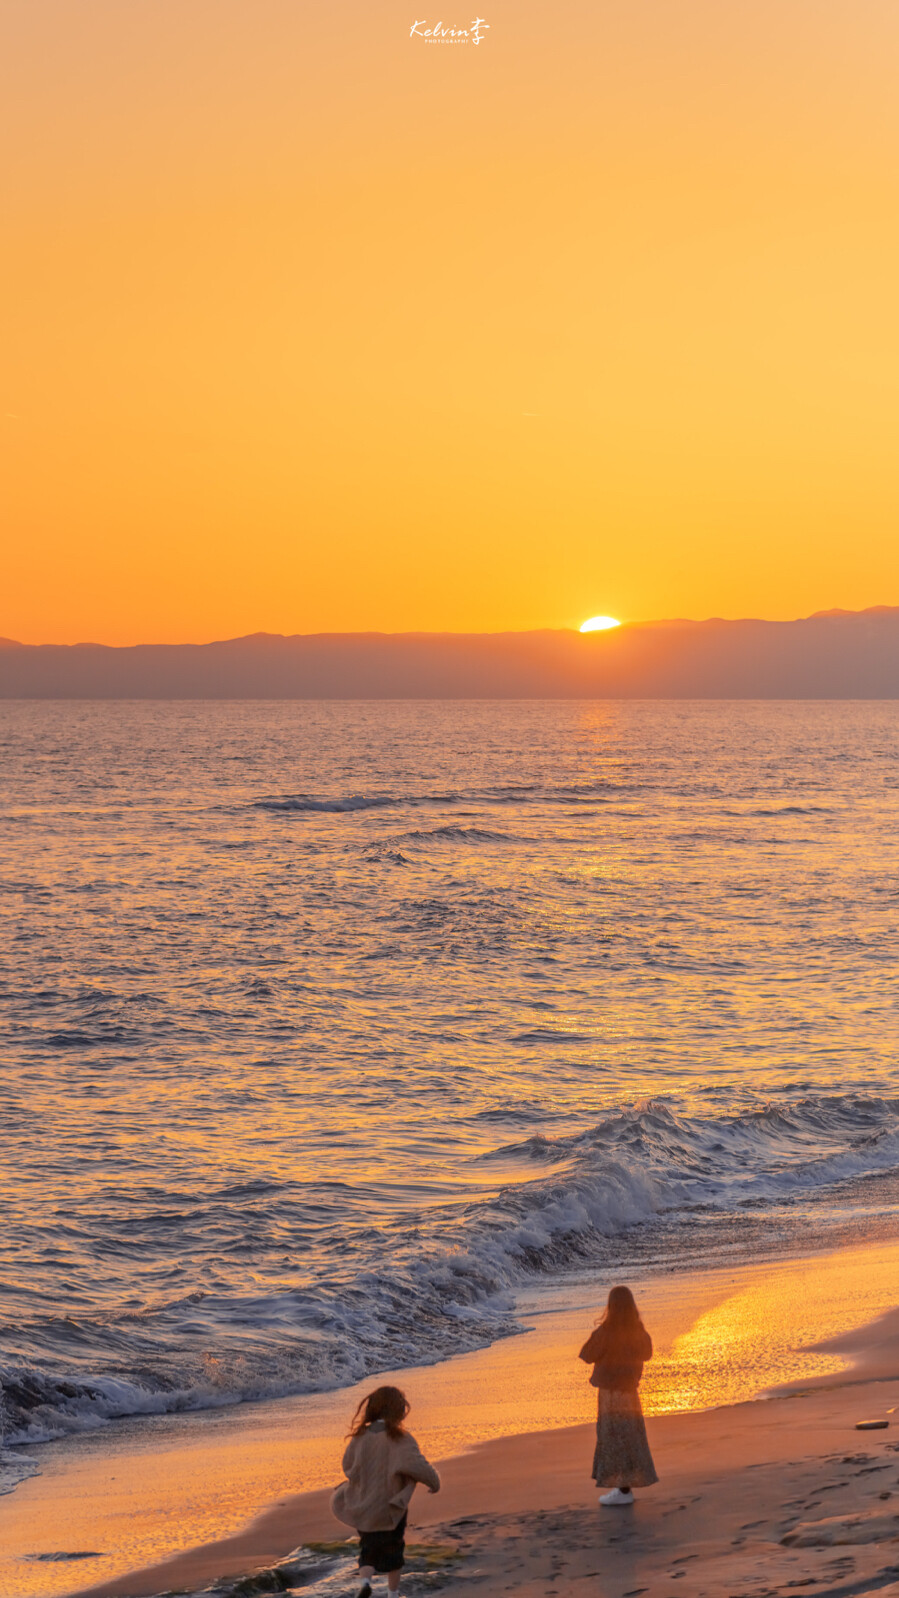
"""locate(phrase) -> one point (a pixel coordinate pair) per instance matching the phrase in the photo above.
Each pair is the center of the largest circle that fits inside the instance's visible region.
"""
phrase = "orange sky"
(311, 326)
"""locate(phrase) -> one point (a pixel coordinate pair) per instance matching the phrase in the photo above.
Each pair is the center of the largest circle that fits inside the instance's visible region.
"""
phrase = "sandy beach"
(180, 1503)
(755, 1499)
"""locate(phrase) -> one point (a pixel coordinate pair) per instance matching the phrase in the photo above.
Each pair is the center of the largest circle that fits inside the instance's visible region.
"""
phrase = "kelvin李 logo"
(439, 34)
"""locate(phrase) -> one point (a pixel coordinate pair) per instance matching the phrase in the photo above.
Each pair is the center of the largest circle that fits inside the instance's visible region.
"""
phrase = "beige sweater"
(382, 1473)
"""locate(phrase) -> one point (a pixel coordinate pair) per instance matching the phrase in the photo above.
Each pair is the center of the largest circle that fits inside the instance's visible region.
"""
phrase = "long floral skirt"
(622, 1457)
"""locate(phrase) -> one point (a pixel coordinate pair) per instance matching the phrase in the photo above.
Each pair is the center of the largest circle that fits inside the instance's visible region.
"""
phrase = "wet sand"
(180, 1501)
(761, 1497)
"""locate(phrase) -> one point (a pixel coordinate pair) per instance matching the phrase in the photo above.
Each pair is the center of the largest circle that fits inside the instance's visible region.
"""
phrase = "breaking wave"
(602, 1196)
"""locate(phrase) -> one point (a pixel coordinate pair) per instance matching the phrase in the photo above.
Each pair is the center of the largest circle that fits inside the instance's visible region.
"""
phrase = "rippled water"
(326, 1024)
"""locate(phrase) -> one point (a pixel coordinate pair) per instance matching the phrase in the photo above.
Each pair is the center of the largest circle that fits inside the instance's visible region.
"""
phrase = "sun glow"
(599, 624)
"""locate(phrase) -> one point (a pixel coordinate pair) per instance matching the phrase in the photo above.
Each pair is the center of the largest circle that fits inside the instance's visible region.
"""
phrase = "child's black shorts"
(384, 1550)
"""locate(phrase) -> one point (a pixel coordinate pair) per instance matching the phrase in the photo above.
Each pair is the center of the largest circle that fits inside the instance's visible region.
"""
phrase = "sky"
(310, 325)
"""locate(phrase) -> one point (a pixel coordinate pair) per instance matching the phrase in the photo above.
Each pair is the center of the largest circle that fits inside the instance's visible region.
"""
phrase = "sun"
(599, 624)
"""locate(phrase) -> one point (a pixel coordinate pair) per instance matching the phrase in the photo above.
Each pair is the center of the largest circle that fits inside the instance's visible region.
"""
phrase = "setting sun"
(599, 624)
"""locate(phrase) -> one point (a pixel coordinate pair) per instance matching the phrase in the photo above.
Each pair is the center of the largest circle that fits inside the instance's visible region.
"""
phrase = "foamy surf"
(636, 1184)
(15, 1467)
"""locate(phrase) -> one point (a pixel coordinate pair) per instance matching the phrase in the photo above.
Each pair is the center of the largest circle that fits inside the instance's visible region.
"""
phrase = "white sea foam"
(15, 1467)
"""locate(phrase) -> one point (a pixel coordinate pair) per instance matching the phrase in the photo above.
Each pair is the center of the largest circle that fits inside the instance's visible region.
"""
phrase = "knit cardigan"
(382, 1473)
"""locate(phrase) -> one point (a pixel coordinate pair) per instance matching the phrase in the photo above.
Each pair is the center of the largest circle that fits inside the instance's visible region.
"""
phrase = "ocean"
(331, 1026)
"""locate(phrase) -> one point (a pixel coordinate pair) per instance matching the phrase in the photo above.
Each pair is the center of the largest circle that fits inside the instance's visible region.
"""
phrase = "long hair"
(385, 1403)
(620, 1320)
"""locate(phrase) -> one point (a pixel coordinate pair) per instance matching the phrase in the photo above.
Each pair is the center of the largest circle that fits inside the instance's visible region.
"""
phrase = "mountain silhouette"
(834, 654)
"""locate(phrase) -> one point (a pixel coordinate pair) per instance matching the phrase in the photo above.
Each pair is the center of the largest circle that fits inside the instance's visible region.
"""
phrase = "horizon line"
(504, 632)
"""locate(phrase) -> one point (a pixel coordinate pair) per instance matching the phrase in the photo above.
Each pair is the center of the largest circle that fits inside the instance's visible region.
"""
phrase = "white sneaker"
(616, 1496)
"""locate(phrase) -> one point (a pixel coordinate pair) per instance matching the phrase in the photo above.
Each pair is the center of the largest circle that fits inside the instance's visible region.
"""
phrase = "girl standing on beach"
(617, 1349)
(383, 1465)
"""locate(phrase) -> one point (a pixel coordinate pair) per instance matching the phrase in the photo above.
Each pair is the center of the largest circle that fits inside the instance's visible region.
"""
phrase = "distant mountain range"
(834, 654)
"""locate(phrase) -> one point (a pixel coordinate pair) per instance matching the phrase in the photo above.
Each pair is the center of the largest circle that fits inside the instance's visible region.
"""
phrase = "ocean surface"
(328, 1026)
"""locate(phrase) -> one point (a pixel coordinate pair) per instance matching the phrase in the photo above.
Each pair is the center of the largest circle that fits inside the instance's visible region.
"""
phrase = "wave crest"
(602, 1195)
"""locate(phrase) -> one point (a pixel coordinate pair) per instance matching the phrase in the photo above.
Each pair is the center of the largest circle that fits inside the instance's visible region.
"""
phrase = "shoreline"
(742, 1459)
(863, 1215)
(146, 1497)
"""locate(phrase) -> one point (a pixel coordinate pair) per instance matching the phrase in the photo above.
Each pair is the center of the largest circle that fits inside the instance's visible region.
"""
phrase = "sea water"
(329, 1027)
